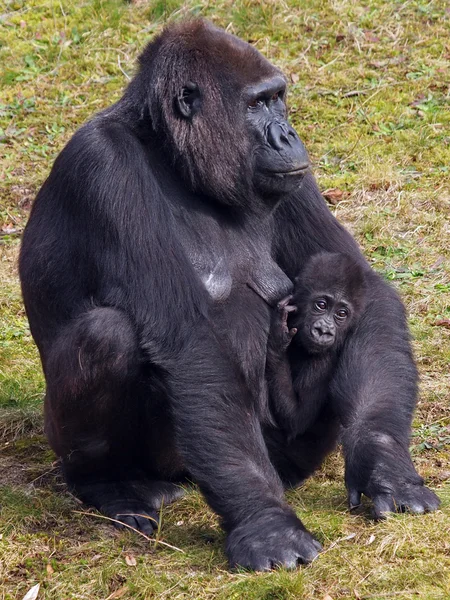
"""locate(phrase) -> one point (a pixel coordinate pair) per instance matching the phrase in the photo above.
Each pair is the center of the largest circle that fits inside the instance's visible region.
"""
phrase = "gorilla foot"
(130, 503)
(275, 538)
(413, 498)
(129, 513)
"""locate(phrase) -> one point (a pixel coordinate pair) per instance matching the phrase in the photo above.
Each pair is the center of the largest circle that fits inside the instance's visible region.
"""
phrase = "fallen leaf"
(333, 195)
(130, 559)
(370, 540)
(50, 570)
(9, 229)
(443, 323)
(117, 594)
(295, 78)
(327, 597)
(32, 593)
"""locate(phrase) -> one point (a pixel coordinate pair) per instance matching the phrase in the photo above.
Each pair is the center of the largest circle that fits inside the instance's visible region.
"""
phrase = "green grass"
(369, 95)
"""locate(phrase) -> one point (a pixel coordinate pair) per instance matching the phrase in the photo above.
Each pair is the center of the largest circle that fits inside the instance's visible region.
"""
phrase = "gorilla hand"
(392, 484)
(274, 538)
(280, 334)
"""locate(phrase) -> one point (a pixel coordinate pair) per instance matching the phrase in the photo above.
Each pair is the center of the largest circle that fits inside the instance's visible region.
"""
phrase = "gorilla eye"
(342, 314)
(320, 305)
(256, 103)
(275, 97)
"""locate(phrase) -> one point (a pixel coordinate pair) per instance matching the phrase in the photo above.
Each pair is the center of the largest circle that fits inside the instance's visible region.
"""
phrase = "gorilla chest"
(230, 260)
(241, 277)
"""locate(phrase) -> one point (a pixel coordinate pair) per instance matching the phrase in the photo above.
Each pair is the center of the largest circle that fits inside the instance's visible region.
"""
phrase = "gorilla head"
(219, 106)
(330, 296)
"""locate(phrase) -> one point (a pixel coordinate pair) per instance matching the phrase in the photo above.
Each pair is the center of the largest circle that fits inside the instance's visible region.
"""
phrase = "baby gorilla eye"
(275, 97)
(342, 314)
(320, 305)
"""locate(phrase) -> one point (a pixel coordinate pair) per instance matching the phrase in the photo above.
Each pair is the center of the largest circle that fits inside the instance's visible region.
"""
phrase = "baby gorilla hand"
(280, 334)
(274, 538)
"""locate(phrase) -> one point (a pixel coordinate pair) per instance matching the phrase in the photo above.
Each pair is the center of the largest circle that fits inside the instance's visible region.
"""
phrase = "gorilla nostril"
(292, 134)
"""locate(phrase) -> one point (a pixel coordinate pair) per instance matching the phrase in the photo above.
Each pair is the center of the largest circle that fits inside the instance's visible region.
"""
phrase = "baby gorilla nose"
(323, 332)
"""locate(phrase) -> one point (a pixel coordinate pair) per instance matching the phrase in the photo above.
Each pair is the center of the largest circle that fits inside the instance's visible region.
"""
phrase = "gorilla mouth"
(291, 173)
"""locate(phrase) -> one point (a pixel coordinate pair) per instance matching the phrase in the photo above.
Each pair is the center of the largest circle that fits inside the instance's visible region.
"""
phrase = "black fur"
(299, 373)
(374, 388)
(151, 259)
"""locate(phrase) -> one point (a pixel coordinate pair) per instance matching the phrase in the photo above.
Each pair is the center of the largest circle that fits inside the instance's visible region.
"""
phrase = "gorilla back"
(148, 266)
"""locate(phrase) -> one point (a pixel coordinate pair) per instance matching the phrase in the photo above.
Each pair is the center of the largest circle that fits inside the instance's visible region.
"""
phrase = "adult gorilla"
(168, 227)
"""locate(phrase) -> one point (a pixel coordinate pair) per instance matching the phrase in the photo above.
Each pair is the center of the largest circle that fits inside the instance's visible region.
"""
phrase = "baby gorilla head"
(330, 296)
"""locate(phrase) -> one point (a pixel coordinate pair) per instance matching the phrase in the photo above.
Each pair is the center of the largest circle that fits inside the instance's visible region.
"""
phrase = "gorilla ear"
(188, 102)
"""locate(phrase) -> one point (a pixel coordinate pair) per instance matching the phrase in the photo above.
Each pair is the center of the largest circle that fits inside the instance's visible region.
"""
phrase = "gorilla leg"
(92, 417)
(295, 461)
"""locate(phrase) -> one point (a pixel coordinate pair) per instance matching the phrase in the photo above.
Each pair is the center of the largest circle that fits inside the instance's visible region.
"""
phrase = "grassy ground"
(370, 96)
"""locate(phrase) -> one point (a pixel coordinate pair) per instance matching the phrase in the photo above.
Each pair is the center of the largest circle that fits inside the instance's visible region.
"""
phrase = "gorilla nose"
(284, 139)
(281, 135)
(323, 333)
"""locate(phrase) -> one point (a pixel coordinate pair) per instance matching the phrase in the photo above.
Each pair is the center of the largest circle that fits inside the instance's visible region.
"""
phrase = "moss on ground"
(370, 96)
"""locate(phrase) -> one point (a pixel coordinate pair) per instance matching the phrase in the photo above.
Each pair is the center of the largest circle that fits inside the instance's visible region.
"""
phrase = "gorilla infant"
(328, 299)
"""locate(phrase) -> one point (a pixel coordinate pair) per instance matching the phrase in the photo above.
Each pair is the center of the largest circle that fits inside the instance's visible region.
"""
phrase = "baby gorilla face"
(322, 323)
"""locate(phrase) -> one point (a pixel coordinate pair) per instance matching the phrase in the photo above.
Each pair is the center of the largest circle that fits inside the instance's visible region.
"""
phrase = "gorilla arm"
(375, 386)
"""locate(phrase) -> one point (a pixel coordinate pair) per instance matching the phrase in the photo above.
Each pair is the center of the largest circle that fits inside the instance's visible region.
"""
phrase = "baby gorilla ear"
(188, 102)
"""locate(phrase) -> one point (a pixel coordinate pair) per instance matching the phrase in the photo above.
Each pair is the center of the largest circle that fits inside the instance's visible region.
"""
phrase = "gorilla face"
(330, 294)
(281, 159)
(325, 322)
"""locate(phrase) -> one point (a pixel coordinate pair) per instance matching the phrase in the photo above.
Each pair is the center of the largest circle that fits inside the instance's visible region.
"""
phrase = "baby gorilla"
(328, 299)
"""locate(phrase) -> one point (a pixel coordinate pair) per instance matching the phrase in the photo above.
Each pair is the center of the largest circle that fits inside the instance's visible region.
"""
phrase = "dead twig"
(149, 539)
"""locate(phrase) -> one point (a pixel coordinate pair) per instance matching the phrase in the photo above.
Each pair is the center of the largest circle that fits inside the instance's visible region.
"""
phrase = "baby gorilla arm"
(283, 399)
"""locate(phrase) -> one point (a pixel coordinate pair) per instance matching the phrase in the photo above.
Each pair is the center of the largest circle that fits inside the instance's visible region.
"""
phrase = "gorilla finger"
(307, 556)
(282, 304)
(308, 551)
(430, 499)
(146, 523)
(260, 563)
(420, 500)
(354, 498)
(124, 521)
(317, 545)
(291, 308)
(287, 561)
(383, 504)
(413, 506)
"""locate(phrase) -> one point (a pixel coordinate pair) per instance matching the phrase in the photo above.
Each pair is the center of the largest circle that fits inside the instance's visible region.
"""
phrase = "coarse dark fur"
(307, 334)
(167, 228)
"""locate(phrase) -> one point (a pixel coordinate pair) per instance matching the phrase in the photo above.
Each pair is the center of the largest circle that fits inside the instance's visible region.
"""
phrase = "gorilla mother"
(169, 226)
